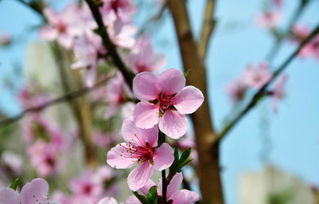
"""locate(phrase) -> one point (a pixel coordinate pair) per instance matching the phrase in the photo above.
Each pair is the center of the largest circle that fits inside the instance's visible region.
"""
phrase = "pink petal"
(132, 200)
(49, 33)
(175, 184)
(173, 124)
(118, 157)
(145, 115)
(163, 157)
(35, 192)
(184, 197)
(144, 190)
(111, 110)
(9, 196)
(139, 136)
(144, 86)
(52, 16)
(107, 200)
(171, 81)
(90, 76)
(140, 176)
(188, 100)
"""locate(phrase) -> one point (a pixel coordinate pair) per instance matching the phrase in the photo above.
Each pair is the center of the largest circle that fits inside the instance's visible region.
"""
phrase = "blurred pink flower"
(236, 90)
(140, 147)
(62, 26)
(269, 19)
(32, 193)
(118, 9)
(102, 139)
(87, 187)
(89, 52)
(143, 58)
(278, 3)
(122, 34)
(165, 100)
(30, 98)
(117, 94)
(44, 158)
(256, 76)
(278, 92)
(107, 200)
(5, 38)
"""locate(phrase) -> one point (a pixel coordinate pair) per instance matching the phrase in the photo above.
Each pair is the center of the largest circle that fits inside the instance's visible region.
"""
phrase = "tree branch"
(209, 23)
(208, 169)
(68, 97)
(259, 94)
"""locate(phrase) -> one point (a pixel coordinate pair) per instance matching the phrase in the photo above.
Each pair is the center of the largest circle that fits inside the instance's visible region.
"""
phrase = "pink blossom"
(87, 186)
(107, 200)
(45, 130)
(62, 26)
(256, 76)
(89, 52)
(117, 94)
(30, 97)
(269, 19)
(102, 139)
(165, 100)
(278, 3)
(32, 193)
(117, 9)
(44, 158)
(12, 161)
(140, 147)
(5, 39)
(143, 58)
(122, 34)
(236, 90)
(278, 92)
(174, 195)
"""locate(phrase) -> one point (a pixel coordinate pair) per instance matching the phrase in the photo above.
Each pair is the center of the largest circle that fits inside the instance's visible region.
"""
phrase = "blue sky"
(294, 129)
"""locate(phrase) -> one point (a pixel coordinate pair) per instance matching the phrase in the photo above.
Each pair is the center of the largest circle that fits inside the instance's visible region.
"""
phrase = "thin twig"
(209, 23)
(61, 99)
(108, 44)
(259, 94)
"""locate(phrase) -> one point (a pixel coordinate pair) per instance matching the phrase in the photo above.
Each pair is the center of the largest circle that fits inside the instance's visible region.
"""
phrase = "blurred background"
(283, 145)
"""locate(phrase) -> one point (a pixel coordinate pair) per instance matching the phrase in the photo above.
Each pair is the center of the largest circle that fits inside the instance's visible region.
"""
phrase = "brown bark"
(208, 169)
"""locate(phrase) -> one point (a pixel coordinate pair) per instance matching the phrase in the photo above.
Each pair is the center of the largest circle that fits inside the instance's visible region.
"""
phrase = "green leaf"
(185, 154)
(14, 185)
(152, 196)
(187, 73)
(179, 163)
(141, 198)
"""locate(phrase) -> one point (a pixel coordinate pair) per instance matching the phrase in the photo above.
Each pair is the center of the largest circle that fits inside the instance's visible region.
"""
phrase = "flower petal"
(140, 176)
(107, 200)
(118, 157)
(144, 86)
(188, 100)
(184, 197)
(145, 115)
(173, 124)
(175, 184)
(171, 81)
(35, 192)
(163, 157)
(139, 136)
(9, 196)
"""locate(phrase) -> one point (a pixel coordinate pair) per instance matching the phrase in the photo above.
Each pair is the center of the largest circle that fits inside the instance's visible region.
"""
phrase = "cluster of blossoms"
(255, 77)
(45, 140)
(298, 34)
(164, 101)
(271, 16)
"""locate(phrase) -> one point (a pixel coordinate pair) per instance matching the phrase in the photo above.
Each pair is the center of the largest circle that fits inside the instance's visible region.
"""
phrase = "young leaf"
(141, 198)
(14, 185)
(152, 196)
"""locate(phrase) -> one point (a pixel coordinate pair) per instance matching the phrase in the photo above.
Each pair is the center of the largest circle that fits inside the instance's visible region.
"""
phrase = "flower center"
(61, 27)
(87, 189)
(165, 101)
(146, 153)
(116, 4)
(50, 161)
